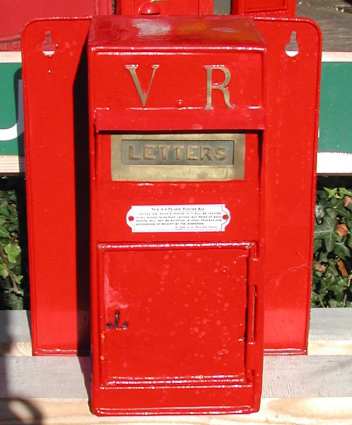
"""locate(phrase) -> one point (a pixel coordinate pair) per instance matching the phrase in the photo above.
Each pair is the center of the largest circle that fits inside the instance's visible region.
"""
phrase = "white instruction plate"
(178, 218)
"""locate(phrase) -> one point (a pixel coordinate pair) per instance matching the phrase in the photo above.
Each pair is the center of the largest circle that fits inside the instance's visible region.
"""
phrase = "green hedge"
(13, 288)
(11, 276)
(332, 268)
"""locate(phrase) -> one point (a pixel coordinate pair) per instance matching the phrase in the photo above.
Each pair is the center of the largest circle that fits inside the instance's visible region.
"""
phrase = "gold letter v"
(143, 95)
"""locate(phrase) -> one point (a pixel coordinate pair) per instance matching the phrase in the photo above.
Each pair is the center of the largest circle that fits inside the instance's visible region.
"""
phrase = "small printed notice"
(178, 218)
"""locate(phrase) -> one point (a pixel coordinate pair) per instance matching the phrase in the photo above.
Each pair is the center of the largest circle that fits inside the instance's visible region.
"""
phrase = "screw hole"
(292, 47)
(48, 46)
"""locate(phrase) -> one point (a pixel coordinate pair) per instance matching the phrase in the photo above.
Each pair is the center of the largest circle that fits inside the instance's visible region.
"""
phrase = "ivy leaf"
(18, 278)
(345, 192)
(326, 231)
(341, 250)
(13, 251)
(323, 256)
(349, 241)
(4, 211)
(4, 271)
(4, 233)
(342, 211)
(333, 303)
(317, 245)
(331, 192)
(331, 212)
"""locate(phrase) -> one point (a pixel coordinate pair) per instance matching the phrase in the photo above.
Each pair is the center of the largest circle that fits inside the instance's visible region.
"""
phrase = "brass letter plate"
(177, 157)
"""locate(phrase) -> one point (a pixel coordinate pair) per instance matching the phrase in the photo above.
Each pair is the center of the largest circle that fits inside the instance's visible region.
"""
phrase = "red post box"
(196, 147)
(264, 7)
(59, 310)
(176, 113)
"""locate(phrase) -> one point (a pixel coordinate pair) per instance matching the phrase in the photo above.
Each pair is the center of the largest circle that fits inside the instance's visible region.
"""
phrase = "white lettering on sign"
(178, 218)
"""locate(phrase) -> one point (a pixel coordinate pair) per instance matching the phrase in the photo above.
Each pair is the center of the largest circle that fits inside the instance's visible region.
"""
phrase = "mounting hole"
(292, 47)
(48, 46)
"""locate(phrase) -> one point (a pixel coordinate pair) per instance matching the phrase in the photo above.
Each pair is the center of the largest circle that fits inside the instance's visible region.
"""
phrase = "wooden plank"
(15, 337)
(307, 376)
(317, 411)
(340, 57)
(330, 331)
(331, 324)
(11, 164)
(333, 163)
(10, 57)
(284, 377)
(14, 326)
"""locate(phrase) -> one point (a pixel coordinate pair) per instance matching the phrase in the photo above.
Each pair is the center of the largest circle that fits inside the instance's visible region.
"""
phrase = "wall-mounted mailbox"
(188, 112)
(176, 120)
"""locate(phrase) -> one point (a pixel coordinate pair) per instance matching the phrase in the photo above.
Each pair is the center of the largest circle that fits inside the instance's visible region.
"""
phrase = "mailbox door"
(175, 212)
(175, 324)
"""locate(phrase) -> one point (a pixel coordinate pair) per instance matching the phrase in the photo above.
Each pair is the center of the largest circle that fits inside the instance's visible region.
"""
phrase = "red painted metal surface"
(166, 7)
(58, 326)
(57, 211)
(289, 163)
(177, 323)
(180, 347)
(16, 14)
(264, 7)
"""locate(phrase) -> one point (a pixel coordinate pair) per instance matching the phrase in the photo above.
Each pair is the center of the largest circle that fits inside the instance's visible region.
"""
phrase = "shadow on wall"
(14, 409)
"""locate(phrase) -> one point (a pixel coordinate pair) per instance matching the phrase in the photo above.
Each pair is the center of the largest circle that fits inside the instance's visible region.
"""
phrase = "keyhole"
(48, 46)
(116, 324)
(292, 47)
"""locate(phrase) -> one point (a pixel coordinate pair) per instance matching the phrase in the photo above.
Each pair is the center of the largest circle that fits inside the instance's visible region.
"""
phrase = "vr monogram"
(223, 86)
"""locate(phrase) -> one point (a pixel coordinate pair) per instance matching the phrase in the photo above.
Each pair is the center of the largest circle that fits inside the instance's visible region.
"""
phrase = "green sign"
(336, 108)
(11, 111)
